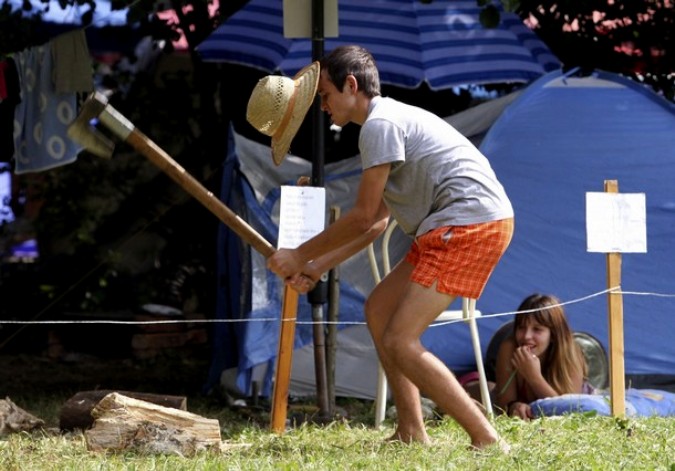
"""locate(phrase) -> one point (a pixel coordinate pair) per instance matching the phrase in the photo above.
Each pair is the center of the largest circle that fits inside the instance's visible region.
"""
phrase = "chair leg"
(381, 398)
(468, 309)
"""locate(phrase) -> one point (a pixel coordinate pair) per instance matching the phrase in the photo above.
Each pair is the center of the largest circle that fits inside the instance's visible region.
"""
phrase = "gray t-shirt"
(438, 177)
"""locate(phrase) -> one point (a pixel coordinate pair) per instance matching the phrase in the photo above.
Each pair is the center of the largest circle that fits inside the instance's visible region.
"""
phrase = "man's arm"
(350, 233)
(331, 259)
(311, 273)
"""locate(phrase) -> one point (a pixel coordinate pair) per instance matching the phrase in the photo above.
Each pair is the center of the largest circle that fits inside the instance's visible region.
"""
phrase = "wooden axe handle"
(125, 130)
(161, 159)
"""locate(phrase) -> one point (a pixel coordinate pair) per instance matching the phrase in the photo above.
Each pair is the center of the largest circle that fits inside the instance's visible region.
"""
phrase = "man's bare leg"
(405, 356)
(379, 308)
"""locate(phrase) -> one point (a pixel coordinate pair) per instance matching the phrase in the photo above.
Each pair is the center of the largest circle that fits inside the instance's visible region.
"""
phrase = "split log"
(125, 423)
(76, 412)
(14, 419)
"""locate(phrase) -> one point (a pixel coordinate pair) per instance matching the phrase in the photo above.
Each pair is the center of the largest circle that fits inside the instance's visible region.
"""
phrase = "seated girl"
(540, 359)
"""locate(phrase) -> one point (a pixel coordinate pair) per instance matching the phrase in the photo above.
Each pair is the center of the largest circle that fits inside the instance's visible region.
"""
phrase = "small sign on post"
(302, 215)
(616, 223)
(298, 18)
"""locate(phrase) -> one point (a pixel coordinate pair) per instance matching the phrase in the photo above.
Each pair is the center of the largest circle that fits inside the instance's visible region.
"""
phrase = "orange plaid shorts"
(460, 258)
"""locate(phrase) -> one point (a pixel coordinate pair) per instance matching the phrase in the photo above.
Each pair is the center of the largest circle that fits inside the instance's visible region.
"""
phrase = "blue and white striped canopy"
(442, 42)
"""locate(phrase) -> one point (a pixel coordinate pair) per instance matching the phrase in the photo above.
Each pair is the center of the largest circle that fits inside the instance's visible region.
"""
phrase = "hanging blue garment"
(43, 116)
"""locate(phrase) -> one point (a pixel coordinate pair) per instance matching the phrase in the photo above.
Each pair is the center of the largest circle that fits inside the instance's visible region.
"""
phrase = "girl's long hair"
(564, 356)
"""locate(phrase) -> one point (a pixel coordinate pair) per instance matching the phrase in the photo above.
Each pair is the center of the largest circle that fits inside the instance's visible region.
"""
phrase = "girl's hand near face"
(528, 366)
(526, 363)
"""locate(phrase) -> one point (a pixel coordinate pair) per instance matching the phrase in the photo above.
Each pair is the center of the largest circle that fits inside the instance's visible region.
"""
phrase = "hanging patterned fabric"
(43, 116)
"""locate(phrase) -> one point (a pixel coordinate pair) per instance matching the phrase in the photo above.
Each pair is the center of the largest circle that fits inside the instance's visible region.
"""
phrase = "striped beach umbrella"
(441, 42)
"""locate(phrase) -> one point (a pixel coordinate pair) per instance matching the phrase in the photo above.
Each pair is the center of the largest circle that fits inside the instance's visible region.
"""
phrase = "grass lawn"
(40, 386)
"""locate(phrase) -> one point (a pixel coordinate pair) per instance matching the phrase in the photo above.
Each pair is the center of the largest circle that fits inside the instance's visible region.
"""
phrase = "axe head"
(84, 133)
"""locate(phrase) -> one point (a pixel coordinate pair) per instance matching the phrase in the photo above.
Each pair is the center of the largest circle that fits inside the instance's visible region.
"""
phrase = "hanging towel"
(43, 116)
(72, 66)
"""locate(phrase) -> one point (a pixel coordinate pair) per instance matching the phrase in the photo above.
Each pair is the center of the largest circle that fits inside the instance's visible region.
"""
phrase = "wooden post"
(617, 382)
(333, 314)
(289, 311)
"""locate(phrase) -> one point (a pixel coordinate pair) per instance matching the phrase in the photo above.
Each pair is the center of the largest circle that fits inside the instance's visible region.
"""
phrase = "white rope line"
(530, 311)
(171, 321)
(638, 293)
(615, 290)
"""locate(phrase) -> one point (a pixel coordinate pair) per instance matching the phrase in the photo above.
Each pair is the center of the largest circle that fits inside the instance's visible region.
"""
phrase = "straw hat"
(278, 106)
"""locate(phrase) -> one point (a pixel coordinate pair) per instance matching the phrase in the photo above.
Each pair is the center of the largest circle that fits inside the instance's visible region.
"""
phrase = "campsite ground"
(31, 374)
(577, 441)
(41, 385)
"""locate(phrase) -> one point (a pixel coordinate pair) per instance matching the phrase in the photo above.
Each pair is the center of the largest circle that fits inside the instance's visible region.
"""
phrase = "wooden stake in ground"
(301, 216)
(124, 423)
(617, 380)
(333, 314)
(282, 380)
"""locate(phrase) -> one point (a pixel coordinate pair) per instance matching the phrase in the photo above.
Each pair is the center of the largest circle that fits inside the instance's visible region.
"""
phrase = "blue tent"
(554, 141)
(561, 138)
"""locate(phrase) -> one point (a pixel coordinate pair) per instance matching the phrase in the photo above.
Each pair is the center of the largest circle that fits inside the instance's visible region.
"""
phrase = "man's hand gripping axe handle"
(82, 132)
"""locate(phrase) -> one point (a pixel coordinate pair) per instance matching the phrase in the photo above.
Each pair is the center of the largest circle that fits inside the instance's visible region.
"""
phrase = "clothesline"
(45, 81)
(614, 291)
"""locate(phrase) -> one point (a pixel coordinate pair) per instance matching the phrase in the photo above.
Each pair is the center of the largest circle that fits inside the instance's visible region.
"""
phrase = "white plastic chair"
(468, 313)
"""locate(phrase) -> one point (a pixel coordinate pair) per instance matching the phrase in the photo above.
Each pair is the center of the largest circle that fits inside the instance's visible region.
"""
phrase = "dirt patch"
(23, 375)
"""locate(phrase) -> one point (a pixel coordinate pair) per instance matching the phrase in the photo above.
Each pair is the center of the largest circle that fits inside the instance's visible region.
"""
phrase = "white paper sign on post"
(616, 222)
(302, 214)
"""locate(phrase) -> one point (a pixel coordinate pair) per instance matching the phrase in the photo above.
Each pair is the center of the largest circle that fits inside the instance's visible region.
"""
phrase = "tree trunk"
(76, 412)
(124, 423)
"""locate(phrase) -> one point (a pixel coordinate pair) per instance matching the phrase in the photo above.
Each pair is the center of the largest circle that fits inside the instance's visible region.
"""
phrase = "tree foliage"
(96, 215)
(634, 38)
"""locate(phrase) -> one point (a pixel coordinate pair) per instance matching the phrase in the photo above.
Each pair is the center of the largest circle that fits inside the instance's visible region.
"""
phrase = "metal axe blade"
(82, 132)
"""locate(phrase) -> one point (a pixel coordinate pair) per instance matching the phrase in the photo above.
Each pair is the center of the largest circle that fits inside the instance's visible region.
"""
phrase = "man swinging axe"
(295, 97)
(443, 193)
